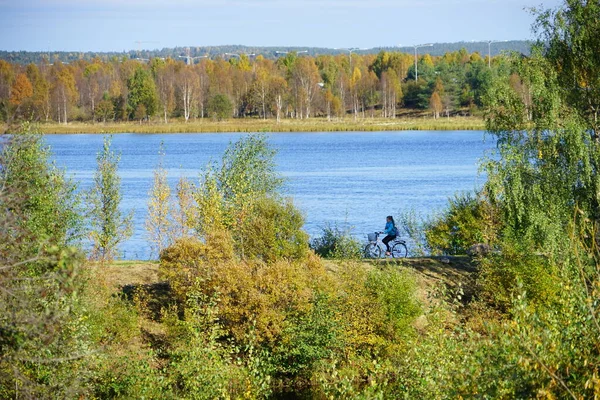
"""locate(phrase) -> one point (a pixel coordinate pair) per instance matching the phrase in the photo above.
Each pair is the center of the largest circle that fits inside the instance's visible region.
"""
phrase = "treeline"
(437, 49)
(292, 86)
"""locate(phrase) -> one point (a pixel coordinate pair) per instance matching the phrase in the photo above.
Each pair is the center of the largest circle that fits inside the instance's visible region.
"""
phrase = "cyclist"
(391, 232)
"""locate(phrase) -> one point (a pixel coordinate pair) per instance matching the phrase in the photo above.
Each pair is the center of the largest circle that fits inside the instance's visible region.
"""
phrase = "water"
(352, 179)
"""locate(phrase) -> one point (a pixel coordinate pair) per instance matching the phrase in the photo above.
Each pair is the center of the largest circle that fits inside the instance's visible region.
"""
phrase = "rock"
(479, 250)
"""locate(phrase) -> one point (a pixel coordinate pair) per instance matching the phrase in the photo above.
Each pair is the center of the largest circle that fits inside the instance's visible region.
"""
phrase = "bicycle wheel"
(399, 250)
(372, 251)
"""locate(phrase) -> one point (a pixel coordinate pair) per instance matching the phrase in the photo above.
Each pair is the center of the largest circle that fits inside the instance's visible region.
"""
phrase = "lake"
(354, 179)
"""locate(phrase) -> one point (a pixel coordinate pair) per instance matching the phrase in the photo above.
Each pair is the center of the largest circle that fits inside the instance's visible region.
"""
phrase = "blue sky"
(116, 25)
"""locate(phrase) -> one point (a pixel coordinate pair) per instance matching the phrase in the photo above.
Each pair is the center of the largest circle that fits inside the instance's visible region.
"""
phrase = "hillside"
(438, 49)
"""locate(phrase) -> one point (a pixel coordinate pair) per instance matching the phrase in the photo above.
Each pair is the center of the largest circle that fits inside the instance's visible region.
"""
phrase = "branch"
(552, 374)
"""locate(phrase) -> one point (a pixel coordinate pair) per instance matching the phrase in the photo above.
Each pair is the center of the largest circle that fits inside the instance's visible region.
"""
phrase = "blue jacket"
(390, 229)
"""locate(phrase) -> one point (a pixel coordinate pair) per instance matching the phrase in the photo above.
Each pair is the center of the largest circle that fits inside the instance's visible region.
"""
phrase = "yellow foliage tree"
(435, 104)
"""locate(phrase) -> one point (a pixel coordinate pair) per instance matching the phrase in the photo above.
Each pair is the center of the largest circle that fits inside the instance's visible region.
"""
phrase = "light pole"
(489, 42)
(416, 69)
(350, 51)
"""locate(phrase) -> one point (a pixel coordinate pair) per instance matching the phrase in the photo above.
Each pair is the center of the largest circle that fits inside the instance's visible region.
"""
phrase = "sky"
(118, 25)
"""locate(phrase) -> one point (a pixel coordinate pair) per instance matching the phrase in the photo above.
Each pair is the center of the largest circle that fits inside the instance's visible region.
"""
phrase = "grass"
(258, 125)
(428, 271)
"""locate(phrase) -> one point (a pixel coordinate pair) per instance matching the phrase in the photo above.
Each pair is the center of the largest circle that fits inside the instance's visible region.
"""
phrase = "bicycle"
(374, 248)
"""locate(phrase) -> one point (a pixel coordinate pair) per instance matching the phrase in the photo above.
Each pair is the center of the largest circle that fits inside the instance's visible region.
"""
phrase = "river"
(353, 179)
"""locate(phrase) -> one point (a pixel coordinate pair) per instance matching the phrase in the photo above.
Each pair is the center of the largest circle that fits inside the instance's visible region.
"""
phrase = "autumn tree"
(188, 86)
(306, 78)
(7, 77)
(159, 224)
(278, 89)
(64, 91)
(164, 75)
(91, 86)
(261, 89)
(40, 100)
(21, 92)
(185, 213)
(435, 104)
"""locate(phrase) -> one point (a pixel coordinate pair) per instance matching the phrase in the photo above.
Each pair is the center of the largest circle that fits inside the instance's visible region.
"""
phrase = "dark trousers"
(388, 239)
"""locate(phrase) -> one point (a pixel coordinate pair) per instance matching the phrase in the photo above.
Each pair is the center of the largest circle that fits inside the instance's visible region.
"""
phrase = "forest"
(272, 53)
(240, 304)
(293, 86)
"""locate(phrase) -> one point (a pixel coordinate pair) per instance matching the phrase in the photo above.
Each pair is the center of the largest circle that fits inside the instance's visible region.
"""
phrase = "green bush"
(504, 275)
(336, 243)
(467, 220)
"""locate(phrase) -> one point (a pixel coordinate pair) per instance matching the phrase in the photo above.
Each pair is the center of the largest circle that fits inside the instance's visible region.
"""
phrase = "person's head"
(389, 218)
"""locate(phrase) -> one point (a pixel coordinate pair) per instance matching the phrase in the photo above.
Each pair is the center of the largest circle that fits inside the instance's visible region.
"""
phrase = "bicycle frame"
(375, 248)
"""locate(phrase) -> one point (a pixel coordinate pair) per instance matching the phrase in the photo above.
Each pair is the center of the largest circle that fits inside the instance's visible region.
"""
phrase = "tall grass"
(257, 125)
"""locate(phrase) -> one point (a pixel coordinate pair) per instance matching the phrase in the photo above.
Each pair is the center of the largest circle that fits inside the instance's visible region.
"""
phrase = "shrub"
(467, 220)
(273, 231)
(336, 243)
(503, 276)
(377, 307)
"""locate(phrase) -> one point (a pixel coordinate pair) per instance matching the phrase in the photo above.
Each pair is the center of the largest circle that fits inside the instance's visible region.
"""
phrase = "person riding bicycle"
(391, 231)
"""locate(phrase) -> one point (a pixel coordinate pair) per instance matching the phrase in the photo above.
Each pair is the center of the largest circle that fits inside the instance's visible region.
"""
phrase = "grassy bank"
(427, 270)
(257, 125)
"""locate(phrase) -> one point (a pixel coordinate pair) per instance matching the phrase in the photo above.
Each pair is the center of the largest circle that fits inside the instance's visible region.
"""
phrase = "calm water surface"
(352, 178)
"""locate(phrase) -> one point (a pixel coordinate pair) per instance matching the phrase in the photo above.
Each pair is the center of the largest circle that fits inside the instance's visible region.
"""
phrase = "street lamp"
(416, 69)
(489, 42)
(350, 51)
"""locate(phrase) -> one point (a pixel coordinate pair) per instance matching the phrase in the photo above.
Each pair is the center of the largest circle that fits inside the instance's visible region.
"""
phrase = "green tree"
(42, 344)
(48, 206)
(105, 109)
(545, 178)
(142, 91)
(570, 37)
(220, 107)
(109, 227)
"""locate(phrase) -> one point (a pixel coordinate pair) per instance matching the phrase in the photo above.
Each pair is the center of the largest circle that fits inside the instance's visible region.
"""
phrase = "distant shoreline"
(258, 125)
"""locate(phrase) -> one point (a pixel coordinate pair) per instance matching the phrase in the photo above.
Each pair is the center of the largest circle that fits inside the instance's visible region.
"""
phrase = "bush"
(504, 275)
(377, 307)
(273, 231)
(336, 243)
(467, 220)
